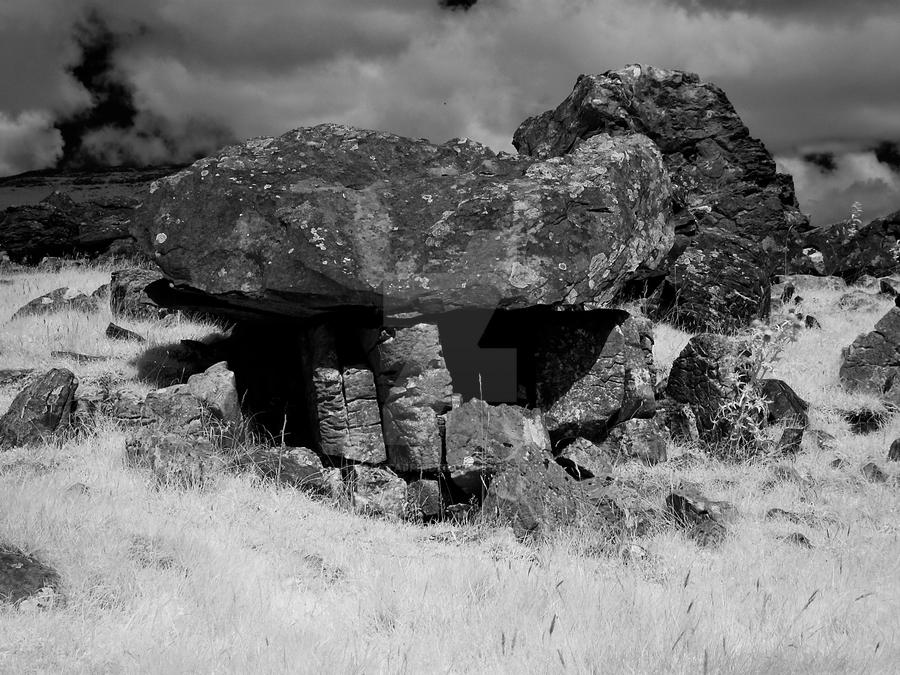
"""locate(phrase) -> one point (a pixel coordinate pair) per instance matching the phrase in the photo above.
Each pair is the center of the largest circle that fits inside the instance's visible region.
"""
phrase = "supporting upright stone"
(345, 410)
(414, 388)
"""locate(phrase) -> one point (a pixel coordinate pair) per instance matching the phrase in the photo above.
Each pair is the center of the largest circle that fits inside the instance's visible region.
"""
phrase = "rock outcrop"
(739, 214)
(60, 226)
(872, 363)
(332, 218)
(843, 249)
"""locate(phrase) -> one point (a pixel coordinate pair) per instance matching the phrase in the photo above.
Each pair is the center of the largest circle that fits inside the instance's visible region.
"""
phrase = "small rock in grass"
(40, 409)
(708, 533)
(894, 452)
(776, 513)
(57, 300)
(812, 322)
(78, 357)
(788, 292)
(824, 440)
(839, 463)
(873, 473)
(788, 474)
(24, 578)
(78, 489)
(865, 420)
(688, 506)
(887, 287)
(114, 332)
(797, 539)
(790, 441)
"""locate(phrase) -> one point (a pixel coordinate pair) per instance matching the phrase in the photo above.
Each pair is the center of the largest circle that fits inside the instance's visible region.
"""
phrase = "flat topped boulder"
(329, 218)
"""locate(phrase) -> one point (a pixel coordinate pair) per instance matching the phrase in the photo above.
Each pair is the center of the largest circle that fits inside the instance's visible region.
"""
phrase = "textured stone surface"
(705, 376)
(174, 459)
(872, 363)
(59, 226)
(852, 252)
(297, 467)
(424, 500)
(344, 406)
(532, 494)
(415, 388)
(330, 216)
(127, 297)
(376, 490)
(40, 409)
(584, 459)
(215, 388)
(641, 439)
(482, 439)
(784, 404)
(739, 213)
(23, 576)
(58, 300)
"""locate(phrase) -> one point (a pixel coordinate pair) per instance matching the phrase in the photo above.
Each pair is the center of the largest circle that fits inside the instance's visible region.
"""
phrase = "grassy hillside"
(242, 576)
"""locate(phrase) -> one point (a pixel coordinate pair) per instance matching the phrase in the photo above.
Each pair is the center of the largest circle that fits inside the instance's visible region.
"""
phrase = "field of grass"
(243, 576)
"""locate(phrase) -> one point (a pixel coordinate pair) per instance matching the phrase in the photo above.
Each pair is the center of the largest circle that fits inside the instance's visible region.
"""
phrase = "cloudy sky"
(817, 80)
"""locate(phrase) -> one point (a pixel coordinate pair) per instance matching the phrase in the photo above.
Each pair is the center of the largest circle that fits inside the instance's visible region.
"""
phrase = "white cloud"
(28, 142)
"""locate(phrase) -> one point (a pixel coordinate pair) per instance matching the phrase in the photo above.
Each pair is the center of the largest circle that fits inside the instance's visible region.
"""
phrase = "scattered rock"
(23, 577)
(680, 420)
(788, 474)
(784, 404)
(533, 495)
(824, 440)
(873, 473)
(705, 376)
(788, 292)
(781, 514)
(114, 332)
(790, 441)
(13, 375)
(872, 363)
(424, 501)
(865, 420)
(376, 490)
(888, 287)
(688, 506)
(78, 489)
(584, 459)
(40, 409)
(796, 539)
(174, 459)
(856, 301)
(295, 467)
(894, 452)
(708, 533)
(812, 322)
(482, 439)
(61, 299)
(641, 439)
(128, 298)
(839, 463)
(78, 357)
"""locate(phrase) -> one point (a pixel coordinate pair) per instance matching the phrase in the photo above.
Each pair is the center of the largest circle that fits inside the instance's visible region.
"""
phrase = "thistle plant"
(741, 419)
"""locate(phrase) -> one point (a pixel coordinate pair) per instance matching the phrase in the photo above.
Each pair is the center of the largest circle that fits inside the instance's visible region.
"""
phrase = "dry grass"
(246, 577)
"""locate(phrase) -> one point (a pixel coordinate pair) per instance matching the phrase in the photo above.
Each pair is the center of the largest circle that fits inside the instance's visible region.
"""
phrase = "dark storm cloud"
(457, 4)
(824, 160)
(888, 152)
(418, 68)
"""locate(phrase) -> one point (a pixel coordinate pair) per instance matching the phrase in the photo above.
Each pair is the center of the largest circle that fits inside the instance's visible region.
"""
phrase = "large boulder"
(740, 215)
(331, 217)
(872, 363)
(40, 409)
